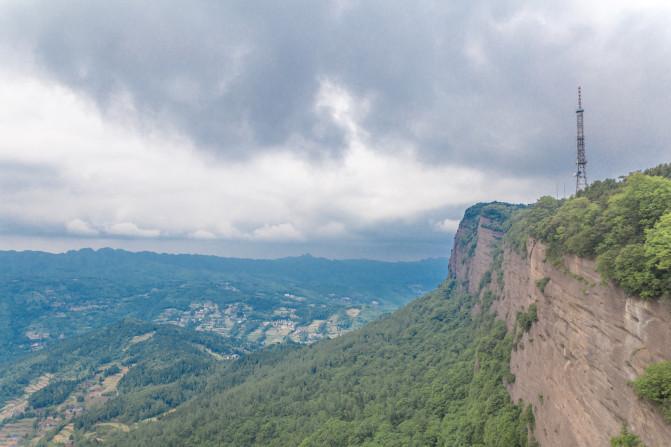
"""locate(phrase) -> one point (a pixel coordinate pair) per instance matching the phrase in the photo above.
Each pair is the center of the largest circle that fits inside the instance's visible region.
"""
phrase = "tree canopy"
(625, 225)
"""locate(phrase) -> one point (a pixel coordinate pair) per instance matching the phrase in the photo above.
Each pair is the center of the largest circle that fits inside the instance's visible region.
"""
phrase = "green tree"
(638, 206)
(630, 270)
(655, 385)
(658, 243)
(574, 226)
(625, 225)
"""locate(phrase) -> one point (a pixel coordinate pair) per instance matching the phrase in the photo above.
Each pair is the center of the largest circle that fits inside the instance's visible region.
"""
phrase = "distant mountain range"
(46, 297)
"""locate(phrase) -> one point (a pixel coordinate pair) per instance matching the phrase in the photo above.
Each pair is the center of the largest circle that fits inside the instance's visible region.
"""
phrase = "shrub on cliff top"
(625, 225)
(663, 170)
(529, 222)
(655, 385)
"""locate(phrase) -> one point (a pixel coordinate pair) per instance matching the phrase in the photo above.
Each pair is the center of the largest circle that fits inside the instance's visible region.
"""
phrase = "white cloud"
(155, 185)
(331, 230)
(279, 232)
(447, 225)
(201, 234)
(129, 229)
(80, 228)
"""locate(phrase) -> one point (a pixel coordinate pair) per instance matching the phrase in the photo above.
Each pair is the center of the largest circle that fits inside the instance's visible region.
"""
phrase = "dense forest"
(430, 374)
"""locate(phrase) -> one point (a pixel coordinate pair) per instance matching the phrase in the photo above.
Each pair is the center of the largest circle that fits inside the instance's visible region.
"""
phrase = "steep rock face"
(471, 257)
(575, 364)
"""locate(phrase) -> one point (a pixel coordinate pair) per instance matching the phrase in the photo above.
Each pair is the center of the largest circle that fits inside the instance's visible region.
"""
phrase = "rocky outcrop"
(472, 254)
(575, 364)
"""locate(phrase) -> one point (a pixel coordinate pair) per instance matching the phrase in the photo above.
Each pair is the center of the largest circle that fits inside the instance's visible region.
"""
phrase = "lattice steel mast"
(581, 162)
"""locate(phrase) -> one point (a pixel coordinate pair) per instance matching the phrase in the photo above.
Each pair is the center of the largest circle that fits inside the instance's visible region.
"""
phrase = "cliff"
(590, 340)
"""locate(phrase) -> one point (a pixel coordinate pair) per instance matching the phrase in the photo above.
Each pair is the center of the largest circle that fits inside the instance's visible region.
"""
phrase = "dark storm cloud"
(232, 76)
(489, 84)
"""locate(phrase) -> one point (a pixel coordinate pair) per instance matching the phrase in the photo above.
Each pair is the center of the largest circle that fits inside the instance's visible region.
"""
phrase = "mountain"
(47, 297)
(588, 280)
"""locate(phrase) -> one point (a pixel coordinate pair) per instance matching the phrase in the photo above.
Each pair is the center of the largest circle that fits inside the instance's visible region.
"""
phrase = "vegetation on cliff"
(625, 225)
(626, 439)
(655, 385)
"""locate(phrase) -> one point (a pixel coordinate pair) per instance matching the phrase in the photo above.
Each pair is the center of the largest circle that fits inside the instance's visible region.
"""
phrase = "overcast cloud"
(345, 128)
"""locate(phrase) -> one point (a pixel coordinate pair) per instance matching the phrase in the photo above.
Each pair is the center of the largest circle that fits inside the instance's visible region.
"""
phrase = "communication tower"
(581, 161)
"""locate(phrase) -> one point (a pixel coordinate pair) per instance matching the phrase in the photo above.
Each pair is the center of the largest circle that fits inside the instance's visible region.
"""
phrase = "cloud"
(18, 176)
(307, 122)
(105, 177)
(201, 234)
(284, 231)
(485, 84)
(130, 229)
(331, 230)
(447, 225)
(80, 228)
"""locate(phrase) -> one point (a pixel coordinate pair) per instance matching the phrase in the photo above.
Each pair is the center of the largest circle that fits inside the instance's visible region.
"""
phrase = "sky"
(341, 128)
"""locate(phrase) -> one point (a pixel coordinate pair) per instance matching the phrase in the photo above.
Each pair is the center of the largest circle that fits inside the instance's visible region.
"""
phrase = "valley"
(46, 298)
(101, 341)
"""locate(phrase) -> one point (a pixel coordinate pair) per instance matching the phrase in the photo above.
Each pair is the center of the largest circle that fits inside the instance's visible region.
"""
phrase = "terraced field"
(17, 406)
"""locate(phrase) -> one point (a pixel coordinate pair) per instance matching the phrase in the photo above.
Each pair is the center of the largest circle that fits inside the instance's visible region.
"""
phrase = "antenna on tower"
(581, 161)
(579, 97)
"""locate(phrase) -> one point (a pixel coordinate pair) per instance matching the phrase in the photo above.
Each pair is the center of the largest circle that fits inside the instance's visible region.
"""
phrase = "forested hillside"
(91, 341)
(431, 374)
(127, 372)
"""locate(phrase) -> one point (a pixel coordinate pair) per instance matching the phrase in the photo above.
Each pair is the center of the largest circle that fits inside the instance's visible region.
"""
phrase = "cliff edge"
(587, 342)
